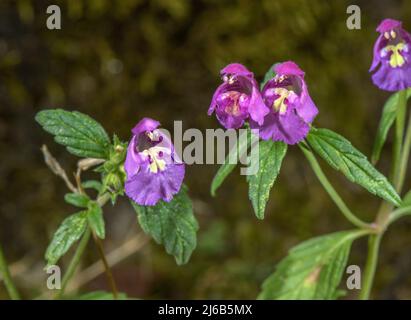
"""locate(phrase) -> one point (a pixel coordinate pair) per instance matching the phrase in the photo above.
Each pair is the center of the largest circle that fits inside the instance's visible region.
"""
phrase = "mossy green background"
(119, 61)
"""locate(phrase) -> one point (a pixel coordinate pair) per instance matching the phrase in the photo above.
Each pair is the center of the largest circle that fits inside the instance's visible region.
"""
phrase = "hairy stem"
(75, 260)
(8, 282)
(109, 274)
(331, 191)
(370, 266)
(402, 169)
(400, 159)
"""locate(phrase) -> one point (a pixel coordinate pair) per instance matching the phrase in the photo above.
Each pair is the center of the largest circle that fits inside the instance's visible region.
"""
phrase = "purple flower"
(153, 170)
(291, 108)
(237, 98)
(393, 57)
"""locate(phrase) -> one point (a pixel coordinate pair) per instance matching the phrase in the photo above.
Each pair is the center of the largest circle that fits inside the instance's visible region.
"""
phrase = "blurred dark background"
(119, 61)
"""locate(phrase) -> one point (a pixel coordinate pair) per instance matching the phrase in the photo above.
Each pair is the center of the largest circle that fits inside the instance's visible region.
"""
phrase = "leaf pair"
(74, 226)
(94, 211)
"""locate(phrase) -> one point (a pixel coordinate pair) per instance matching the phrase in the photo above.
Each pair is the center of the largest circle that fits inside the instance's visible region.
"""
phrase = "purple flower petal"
(306, 108)
(257, 108)
(236, 69)
(288, 68)
(145, 124)
(388, 24)
(289, 128)
(146, 188)
(389, 79)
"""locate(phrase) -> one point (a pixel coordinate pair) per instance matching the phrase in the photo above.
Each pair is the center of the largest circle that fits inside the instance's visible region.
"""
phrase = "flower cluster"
(282, 111)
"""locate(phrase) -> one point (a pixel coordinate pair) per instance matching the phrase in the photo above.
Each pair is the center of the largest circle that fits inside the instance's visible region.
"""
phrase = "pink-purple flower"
(238, 98)
(392, 57)
(291, 107)
(154, 172)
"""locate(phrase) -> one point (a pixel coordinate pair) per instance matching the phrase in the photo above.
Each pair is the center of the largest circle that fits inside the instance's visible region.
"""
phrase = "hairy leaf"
(340, 154)
(271, 155)
(312, 269)
(71, 229)
(82, 135)
(171, 224)
(77, 199)
(386, 121)
(406, 201)
(96, 219)
(92, 184)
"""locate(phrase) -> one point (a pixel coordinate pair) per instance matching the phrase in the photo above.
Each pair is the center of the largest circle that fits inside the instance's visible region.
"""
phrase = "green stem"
(395, 215)
(8, 282)
(370, 266)
(109, 274)
(402, 169)
(75, 260)
(331, 191)
(384, 217)
(399, 135)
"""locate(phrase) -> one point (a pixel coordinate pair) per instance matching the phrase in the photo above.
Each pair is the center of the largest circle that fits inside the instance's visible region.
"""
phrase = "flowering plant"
(314, 268)
(279, 113)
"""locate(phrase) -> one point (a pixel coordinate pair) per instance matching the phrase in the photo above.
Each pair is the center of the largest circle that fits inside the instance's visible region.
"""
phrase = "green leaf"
(77, 199)
(171, 224)
(82, 135)
(92, 184)
(340, 154)
(406, 201)
(96, 219)
(312, 269)
(100, 295)
(268, 76)
(386, 121)
(271, 155)
(228, 166)
(71, 229)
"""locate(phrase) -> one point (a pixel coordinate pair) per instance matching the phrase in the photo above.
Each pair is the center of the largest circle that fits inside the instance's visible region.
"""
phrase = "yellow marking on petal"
(386, 35)
(150, 135)
(233, 109)
(393, 34)
(396, 59)
(279, 103)
(156, 163)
